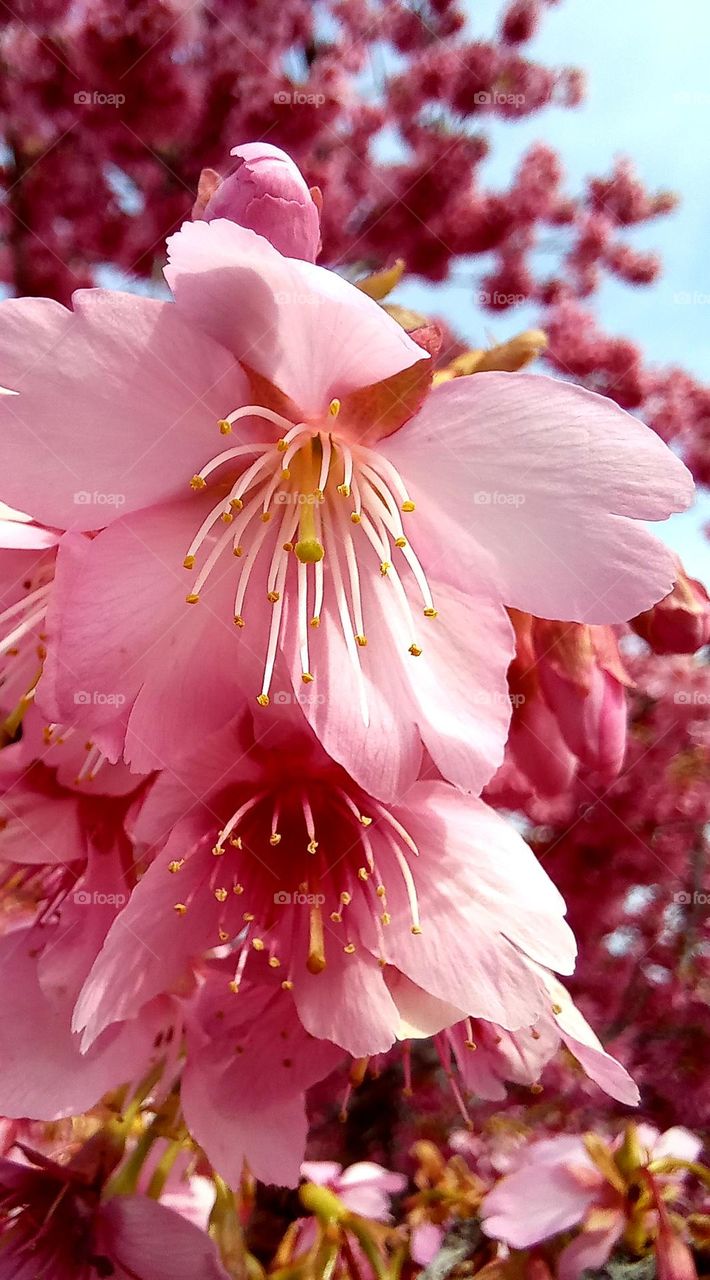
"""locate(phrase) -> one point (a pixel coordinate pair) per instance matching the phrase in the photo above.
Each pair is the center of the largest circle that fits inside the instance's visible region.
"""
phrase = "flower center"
(285, 888)
(309, 513)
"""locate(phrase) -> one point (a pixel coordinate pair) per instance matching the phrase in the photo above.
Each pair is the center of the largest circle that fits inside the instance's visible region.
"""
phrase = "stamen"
(316, 941)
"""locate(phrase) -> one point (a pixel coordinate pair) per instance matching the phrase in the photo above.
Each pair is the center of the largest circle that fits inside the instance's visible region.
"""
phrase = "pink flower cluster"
(255, 651)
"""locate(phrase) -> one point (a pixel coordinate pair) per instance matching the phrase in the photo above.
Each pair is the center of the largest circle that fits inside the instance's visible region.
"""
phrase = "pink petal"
(306, 330)
(604, 1070)
(148, 1241)
(588, 1252)
(117, 406)
(59, 1080)
(348, 1003)
(533, 1203)
(550, 479)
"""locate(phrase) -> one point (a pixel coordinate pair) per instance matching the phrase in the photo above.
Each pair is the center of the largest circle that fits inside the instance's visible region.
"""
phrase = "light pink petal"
(588, 1252)
(148, 1241)
(679, 1143)
(532, 1204)
(305, 329)
(40, 825)
(126, 650)
(366, 1188)
(149, 947)
(322, 1172)
(21, 535)
(243, 1086)
(485, 905)
(577, 1034)
(551, 479)
(420, 1014)
(348, 1003)
(116, 409)
(58, 1080)
(425, 1242)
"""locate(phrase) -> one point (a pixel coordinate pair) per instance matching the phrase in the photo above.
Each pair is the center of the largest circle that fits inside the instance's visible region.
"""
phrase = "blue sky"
(648, 97)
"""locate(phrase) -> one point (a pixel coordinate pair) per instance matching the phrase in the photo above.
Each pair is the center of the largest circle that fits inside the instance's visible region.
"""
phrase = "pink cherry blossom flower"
(365, 1188)
(266, 192)
(272, 849)
(527, 491)
(27, 556)
(562, 1182)
(55, 1224)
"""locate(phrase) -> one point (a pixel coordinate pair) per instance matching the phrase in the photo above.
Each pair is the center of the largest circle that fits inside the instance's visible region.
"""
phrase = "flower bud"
(267, 193)
(680, 623)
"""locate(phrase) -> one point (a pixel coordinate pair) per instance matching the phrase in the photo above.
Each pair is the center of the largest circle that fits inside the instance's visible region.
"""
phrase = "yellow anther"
(219, 851)
(366, 822)
(236, 504)
(287, 985)
(385, 567)
(233, 987)
(408, 505)
(223, 935)
(247, 917)
(189, 562)
(265, 516)
(287, 546)
(344, 490)
(362, 873)
(198, 483)
(400, 542)
(355, 517)
(381, 891)
(536, 1088)
(334, 408)
(282, 446)
(238, 889)
(180, 908)
(275, 838)
(263, 699)
(285, 473)
(237, 551)
(224, 426)
(349, 948)
(431, 613)
(319, 495)
(306, 677)
(273, 597)
(312, 846)
(274, 962)
(361, 641)
(257, 944)
(176, 865)
(193, 598)
(470, 1044)
(336, 917)
(346, 898)
(315, 622)
(557, 1008)
(235, 841)
(415, 651)
(416, 930)
(226, 517)
(386, 917)
(239, 622)
(220, 895)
